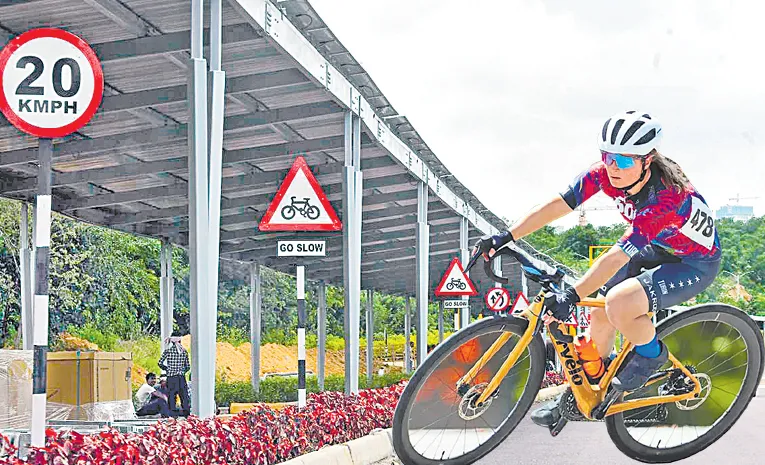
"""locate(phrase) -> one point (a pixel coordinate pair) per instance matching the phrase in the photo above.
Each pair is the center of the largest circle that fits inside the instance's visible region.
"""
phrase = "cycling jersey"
(681, 223)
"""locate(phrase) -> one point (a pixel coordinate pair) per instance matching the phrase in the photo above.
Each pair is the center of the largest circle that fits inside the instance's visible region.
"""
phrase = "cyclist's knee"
(625, 302)
(598, 316)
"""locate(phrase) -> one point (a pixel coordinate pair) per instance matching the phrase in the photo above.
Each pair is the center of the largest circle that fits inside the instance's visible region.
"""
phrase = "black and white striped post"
(301, 333)
(40, 304)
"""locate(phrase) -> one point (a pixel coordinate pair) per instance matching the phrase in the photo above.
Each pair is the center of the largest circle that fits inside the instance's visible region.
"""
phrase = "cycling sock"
(650, 350)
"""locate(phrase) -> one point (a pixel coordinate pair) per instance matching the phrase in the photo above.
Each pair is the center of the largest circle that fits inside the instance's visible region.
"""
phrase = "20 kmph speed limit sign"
(52, 82)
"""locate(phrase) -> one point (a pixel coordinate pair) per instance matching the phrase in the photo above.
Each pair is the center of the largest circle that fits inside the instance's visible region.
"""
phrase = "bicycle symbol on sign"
(302, 206)
(455, 282)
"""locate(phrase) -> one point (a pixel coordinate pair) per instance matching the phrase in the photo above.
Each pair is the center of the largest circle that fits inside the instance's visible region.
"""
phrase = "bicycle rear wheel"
(435, 422)
(725, 348)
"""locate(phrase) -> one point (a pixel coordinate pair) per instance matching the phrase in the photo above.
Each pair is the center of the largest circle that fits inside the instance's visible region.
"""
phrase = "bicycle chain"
(570, 411)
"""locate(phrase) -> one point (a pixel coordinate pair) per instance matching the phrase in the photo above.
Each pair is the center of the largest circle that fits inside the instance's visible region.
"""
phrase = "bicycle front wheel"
(438, 422)
(725, 349)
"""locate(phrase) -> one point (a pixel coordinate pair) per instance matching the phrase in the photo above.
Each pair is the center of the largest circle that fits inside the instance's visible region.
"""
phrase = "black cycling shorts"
(667, 280)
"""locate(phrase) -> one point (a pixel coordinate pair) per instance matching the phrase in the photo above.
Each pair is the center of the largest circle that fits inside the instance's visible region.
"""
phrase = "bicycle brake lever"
(558, 334)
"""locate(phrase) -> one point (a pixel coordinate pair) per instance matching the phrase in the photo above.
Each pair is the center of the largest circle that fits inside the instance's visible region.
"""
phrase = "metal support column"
(42, 256)
(300, 272)
(202, 331)
(166, 293)
(464, 258)
(497, 264)
(370, 333)
(423, 279)
(321, 318)
(216, 105)
(26, 280)
(407, 336)
(352, 193)
(440, 321)
(255, 318)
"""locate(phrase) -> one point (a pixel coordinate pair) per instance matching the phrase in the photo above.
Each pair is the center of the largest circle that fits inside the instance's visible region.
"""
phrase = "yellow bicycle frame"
(587, 396)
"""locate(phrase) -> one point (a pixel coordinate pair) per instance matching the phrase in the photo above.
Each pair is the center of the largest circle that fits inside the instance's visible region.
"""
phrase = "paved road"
(529, 444)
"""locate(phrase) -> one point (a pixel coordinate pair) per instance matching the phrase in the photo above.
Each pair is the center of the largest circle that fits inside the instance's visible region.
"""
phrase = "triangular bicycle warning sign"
(300, 204)
(455, 282)
(520, 304)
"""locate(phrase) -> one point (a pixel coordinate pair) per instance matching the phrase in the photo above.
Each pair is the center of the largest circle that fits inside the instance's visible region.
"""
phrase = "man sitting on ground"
(153, 399)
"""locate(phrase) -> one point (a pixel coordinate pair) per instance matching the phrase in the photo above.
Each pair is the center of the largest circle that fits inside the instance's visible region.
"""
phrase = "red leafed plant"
(258, 436)
(552, 378)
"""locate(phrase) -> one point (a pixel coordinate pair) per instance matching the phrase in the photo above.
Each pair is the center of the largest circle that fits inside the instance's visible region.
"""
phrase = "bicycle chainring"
(568, 408)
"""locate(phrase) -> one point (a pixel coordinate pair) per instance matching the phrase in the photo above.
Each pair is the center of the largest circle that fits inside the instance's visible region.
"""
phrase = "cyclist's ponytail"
(670, 172)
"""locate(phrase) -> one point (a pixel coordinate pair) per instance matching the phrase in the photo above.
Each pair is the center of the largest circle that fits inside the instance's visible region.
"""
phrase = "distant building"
(737, 212)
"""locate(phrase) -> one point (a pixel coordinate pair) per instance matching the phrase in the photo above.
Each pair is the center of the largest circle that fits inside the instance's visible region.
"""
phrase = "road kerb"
(377, 446)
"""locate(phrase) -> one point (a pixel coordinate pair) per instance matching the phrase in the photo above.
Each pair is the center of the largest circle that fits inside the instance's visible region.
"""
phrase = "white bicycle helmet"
(631, 132)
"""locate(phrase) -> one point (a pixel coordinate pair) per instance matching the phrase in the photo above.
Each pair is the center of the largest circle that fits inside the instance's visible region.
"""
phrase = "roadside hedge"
(284, 389)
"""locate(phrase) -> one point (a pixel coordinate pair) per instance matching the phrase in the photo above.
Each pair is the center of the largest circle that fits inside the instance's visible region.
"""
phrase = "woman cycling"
(670, 252)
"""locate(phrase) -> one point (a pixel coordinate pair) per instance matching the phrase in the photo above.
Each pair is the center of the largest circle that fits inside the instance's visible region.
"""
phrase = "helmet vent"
(615, 130)
(648, 137)
(605, 129)
(631, 131)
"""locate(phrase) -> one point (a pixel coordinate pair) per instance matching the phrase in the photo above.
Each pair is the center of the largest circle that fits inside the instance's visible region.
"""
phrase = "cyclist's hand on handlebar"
(487, 245)
(559, 305)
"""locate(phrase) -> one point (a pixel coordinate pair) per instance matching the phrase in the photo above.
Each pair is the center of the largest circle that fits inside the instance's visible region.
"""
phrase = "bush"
(260, 435)
(233, 335)
(284, 389)
(106, 342)
(552, 378)
(146, 352)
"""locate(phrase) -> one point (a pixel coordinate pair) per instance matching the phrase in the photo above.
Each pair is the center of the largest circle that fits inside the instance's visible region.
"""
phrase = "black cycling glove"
(562, 303)
(487, 243)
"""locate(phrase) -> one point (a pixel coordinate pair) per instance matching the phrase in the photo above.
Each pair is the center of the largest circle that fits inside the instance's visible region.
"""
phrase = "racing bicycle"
(473, 389)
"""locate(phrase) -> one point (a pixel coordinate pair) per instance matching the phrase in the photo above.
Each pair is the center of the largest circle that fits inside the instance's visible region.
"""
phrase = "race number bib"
(700, 226)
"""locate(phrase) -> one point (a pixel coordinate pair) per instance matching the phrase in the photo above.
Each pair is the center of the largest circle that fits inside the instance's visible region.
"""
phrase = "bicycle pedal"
(557, 427)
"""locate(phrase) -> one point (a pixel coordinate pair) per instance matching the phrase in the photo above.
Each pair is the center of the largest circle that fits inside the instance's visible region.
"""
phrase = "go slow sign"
(52, 82)
(302, 249)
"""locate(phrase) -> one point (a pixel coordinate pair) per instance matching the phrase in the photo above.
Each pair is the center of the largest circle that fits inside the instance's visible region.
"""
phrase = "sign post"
(300, 205)
(52, 85)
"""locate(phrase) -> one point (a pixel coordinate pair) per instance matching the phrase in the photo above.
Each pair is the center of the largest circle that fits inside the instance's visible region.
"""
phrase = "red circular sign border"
(504, 291)
(98, 76)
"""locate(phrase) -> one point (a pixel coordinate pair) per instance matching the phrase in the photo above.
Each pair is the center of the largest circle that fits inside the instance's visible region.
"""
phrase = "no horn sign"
(497, 299)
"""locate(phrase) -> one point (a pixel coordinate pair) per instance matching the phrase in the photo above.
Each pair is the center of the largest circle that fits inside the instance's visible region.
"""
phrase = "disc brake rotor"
(468, 409)
(695, 402)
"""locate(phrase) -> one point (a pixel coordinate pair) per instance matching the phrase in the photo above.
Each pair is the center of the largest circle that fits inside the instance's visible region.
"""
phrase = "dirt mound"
(234, 362)
(70, 342)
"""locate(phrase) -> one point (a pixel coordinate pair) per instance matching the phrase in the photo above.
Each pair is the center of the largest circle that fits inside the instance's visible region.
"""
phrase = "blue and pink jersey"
(679, 222)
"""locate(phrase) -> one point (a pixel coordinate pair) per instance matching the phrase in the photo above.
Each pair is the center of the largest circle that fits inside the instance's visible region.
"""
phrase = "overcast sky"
(512, 88)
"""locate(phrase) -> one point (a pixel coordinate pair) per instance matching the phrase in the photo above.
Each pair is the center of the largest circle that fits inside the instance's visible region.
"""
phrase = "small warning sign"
(300, 204)
(520, 304)
(583, 317)
(455, 282)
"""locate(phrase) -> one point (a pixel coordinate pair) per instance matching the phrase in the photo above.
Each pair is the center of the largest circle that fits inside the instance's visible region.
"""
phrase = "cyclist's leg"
(659, 287)
(602, 332)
